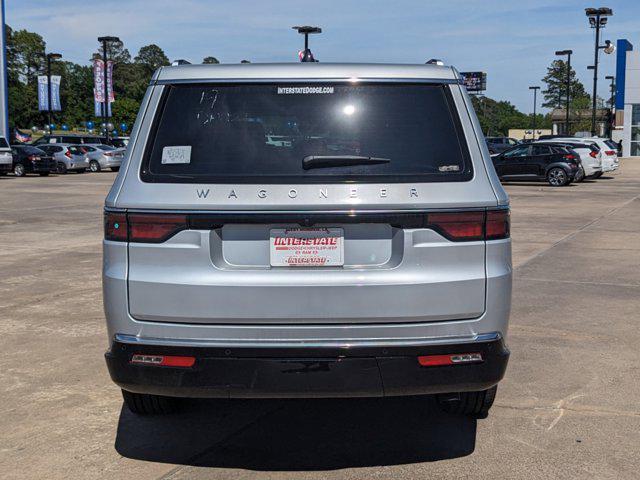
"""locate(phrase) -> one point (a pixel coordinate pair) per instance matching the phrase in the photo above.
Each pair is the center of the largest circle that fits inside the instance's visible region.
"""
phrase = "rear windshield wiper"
(328, 161)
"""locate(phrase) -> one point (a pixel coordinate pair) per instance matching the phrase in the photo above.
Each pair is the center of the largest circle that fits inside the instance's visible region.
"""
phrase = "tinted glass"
(517, 152)
(540, 150)
(75, 150)
(262, 133)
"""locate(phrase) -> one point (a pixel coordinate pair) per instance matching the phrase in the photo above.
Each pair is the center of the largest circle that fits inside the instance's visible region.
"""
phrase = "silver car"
(368, 255)
(69, 158)
(103, 156)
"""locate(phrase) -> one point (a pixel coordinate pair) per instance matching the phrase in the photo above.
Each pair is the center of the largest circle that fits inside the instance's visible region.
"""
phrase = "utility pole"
(568, 95)
(50, 56)
(535, 92)
(597, 19)
(612, 89)
(105, 105)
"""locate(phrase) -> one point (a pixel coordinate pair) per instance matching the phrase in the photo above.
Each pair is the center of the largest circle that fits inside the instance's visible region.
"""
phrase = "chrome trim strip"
(390, 342)
(309, 211)
(274, 80)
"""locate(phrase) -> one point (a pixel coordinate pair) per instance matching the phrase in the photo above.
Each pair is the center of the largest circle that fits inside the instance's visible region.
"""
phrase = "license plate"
(306, 247)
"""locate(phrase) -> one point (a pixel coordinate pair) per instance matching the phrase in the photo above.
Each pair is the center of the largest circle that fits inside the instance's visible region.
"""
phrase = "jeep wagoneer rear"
(364, 253)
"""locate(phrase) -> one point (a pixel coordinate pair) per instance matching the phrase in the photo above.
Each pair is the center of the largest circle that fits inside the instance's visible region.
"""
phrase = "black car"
(500, 144)
(557, 164)
(29, 159)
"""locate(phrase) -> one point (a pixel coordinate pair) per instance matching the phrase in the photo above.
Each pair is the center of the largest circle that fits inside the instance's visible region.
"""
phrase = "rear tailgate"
(394, 270)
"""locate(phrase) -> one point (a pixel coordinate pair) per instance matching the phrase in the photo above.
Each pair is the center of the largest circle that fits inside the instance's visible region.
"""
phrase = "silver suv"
(365, 253)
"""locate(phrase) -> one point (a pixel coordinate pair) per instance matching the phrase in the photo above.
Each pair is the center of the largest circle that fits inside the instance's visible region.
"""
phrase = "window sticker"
(304, 90)
(180, 154)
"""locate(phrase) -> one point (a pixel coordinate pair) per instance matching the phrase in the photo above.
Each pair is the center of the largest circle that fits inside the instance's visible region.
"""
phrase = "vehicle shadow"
(295, 435)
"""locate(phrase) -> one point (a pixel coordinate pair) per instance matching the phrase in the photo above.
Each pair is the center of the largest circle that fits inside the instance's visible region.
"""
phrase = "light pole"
(612, 89)
(105, 106)
(535, 92)
(597, 19)
(566, 120)
(50, 56)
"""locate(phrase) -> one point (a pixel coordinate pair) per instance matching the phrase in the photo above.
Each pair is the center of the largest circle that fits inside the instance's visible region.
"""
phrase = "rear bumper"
(307, 372)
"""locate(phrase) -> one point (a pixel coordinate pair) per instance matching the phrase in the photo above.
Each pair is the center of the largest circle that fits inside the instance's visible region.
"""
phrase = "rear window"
(267, 133)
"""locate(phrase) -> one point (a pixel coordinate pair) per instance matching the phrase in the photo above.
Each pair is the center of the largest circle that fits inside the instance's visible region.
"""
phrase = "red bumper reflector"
(163, 360)
(449, 359)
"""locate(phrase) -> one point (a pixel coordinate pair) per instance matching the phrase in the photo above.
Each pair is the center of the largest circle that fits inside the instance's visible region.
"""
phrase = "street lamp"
(306, 55)
(105, 106)
(612, 89)
(568, 54)
(50, 56)
(597, 19)
(535, 92)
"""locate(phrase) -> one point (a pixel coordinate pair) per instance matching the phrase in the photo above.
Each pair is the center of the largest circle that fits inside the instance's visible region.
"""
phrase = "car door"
(536, 162)
(514, 160)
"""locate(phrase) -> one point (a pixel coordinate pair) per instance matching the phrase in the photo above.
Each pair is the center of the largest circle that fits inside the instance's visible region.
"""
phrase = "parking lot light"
(568, 54)
(535, 92)
(597, 19)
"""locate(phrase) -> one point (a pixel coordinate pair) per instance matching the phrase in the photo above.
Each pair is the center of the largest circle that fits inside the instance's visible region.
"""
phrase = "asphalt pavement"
(568, 407)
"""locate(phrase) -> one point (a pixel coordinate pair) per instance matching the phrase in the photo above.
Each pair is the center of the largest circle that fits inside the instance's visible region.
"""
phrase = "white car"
(590, 154)
(609, 155)
(6, 157)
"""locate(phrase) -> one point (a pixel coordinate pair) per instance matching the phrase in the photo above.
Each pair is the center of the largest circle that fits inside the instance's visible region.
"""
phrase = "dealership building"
(627, 99)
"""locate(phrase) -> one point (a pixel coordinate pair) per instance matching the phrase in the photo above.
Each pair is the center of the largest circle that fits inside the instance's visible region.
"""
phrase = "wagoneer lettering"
(357, 225)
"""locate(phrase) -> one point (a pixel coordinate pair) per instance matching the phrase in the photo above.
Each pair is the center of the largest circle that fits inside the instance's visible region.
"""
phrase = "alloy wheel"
(557, 177)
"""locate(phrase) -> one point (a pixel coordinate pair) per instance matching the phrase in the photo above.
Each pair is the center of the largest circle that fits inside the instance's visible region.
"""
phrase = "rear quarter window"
(248, 133)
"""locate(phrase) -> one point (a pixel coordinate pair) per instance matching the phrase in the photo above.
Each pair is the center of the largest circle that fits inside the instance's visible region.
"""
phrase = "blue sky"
(513, 41)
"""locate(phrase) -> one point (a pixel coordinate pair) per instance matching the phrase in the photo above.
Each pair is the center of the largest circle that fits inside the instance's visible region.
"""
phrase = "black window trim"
(146, 176)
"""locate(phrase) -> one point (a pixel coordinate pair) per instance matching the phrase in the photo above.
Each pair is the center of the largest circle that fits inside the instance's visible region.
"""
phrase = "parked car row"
(558, 160)
(46, 158)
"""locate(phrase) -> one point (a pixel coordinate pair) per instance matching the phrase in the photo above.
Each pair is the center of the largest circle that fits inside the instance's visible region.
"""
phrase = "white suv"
(6, 157)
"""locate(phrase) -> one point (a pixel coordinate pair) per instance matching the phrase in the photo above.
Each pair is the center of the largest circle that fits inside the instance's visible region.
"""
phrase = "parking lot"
(568, 407)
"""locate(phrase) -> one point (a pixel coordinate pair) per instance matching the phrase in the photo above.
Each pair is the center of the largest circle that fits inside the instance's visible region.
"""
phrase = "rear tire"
(62, 168)
(94, 166)
(145, 404)
(557, 177)
(474, 404)
(19, 170)
(579, 175)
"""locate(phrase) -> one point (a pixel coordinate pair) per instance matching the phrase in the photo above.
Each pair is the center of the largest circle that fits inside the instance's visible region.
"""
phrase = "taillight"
(67, 154)
(115, 227)
(458, 226)
(609, 152)
(108, 154)
(569, 157)
(498, 224)
(471, 226)
(33, 158)
(593, 154)
(145, 228)
(150, 228)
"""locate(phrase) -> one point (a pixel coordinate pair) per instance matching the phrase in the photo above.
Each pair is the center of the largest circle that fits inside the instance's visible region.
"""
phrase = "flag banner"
(43, 93)
(98, 80)
(97, 109)
(110, 81)
(55, 93)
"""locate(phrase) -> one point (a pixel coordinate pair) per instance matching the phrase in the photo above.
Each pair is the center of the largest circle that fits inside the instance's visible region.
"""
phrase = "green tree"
(151, 57)
(209, 60)
(556, 80)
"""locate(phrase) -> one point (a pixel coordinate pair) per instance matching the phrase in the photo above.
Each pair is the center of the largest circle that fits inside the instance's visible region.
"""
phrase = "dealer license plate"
(306, 247)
